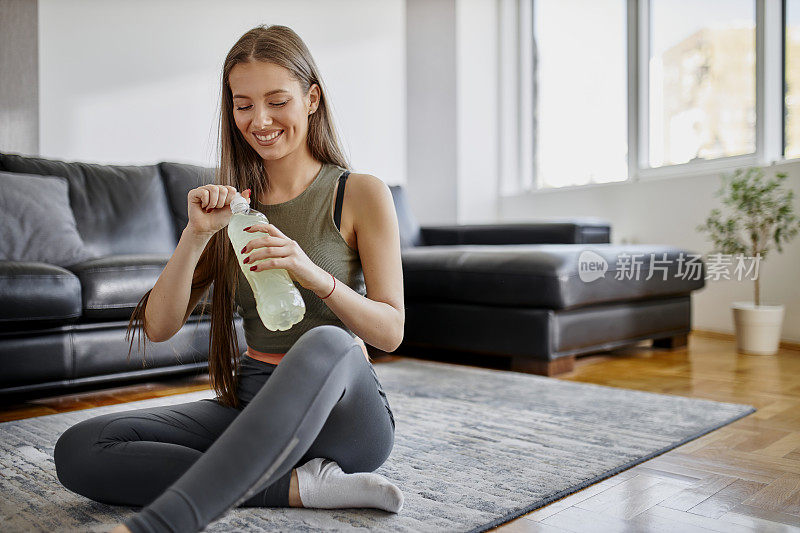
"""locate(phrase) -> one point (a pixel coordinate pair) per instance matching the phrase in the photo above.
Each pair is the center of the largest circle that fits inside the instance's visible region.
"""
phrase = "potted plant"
(762, 216)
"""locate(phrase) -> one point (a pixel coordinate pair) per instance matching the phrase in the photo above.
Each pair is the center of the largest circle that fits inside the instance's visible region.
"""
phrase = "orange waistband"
(275, 358)
(272, 358)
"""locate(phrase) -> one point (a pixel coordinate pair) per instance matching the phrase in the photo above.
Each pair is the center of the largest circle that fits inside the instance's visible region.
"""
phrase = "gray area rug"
(474, 448)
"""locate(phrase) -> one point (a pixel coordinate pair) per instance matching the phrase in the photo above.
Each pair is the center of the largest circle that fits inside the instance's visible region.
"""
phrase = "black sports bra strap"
(337, 210)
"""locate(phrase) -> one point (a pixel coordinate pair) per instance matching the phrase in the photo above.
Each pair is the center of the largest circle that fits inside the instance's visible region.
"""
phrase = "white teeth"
(269, 137)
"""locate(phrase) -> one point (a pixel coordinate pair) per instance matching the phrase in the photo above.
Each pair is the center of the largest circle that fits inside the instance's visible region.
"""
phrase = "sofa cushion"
(113, 285)
(540, 275)
(117, 209)
(36, 221)
(37, 295)
(179, 179)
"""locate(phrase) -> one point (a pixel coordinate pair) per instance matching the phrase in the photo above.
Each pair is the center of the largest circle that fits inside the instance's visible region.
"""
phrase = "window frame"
(770, 102)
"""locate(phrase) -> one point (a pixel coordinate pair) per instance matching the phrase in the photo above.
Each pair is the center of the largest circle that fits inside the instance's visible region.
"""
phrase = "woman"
(300, 418)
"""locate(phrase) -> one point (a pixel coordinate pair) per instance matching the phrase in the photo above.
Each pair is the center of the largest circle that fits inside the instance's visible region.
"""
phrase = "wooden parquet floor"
(742, 477)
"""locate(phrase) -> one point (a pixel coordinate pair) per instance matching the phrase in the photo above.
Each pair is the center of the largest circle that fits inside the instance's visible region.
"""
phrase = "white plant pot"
(758, 327)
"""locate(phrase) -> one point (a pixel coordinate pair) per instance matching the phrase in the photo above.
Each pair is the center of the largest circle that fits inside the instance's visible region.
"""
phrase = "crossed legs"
(190, 464)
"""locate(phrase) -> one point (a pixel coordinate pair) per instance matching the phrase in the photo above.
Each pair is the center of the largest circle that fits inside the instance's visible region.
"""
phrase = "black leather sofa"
(509, 290)
(515, 291)
(63, 327)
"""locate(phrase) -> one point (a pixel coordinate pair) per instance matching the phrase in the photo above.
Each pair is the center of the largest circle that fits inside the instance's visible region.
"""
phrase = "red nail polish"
(253, 267)
(247, 228)
(246, 259)
(243, 249)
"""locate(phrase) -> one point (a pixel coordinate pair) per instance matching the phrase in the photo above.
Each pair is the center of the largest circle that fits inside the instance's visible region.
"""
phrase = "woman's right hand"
(209, 208)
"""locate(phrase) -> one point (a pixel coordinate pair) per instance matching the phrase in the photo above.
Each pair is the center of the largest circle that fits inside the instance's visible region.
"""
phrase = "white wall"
(477, 123)
(453, 142)
(432, 103)
(139, 82)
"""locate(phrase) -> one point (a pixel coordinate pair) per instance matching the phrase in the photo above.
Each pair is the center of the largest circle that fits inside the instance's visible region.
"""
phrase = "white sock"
(323, 485)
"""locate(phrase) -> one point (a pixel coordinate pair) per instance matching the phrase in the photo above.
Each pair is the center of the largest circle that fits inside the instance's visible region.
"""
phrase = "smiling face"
(270, 109)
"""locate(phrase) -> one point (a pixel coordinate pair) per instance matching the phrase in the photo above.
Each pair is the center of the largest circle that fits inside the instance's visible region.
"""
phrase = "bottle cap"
(239, 204)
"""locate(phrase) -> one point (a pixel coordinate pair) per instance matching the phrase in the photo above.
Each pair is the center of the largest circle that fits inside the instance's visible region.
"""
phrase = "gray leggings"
(190, 463)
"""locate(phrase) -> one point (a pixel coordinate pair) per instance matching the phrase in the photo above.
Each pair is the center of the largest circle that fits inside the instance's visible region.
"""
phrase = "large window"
(633, 89)
(792, 80)
(580, 102)
(702, 86)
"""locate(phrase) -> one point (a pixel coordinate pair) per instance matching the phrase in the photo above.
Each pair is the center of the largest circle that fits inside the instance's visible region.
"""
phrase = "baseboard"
(723, 335)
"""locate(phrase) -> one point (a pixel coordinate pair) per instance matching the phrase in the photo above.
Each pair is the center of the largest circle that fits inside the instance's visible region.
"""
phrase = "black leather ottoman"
(529, 302)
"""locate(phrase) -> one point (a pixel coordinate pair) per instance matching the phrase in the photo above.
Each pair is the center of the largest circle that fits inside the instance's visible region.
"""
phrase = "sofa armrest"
(569, 231)
(37, 293)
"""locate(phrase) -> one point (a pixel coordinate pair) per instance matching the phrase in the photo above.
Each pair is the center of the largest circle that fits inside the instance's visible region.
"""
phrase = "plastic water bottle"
(278, 302)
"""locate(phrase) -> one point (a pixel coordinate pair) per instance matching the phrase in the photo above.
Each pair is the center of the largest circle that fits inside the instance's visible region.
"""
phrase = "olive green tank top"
(307, 219)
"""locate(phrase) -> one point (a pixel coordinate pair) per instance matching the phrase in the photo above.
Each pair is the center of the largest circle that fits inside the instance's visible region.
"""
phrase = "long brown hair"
(242, 167)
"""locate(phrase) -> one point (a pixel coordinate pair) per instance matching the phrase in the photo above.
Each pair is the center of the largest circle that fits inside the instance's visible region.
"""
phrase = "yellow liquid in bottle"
(278, 302)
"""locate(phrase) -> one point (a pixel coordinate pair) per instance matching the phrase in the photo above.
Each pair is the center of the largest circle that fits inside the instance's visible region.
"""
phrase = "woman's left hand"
(279, 251)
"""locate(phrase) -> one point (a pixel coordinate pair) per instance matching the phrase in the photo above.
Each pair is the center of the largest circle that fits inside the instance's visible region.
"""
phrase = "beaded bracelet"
(334, 286)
